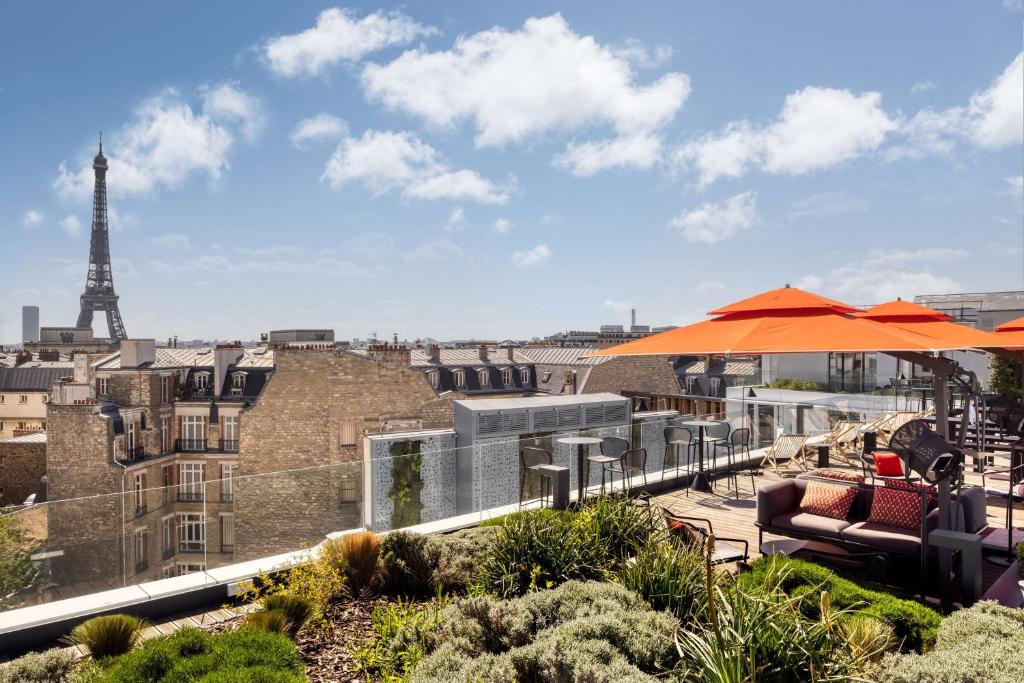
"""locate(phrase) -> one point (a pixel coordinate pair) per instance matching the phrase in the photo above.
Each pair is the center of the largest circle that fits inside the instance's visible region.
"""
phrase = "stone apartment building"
(166, 461)
(24, 391)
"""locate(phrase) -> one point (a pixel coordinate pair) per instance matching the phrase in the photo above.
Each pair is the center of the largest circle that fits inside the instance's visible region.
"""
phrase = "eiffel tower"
(99, 283)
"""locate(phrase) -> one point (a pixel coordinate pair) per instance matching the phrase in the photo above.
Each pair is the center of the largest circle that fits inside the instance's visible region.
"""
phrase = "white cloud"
(503, 226)
(165, 144)
(227, 102)
(317, 128)
(542, 78)
(922, 86)
(1016, 184)
(72, 226)
(430, 252)
(456, 220)
(621, 308)
(532, 257)
(635, 52)
(171, 240)
(885, 275)
(823, 204)
(31, 218)
(713, 223)
(707, 286)
(339, 36)
(991, 119)
(1015, 5)
(371, 245)
(816, 129)
(385, 161)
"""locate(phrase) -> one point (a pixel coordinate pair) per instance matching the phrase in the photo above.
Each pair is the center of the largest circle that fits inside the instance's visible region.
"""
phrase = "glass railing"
(67, 548)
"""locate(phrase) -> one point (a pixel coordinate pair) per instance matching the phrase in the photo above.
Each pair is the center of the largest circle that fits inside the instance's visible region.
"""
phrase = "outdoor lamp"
(926, 453)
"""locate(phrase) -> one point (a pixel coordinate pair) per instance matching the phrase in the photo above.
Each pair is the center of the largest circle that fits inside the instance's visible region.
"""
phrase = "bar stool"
(676, 439)
(612, 448)
(531, 459)
(713, 436)
(737, 443)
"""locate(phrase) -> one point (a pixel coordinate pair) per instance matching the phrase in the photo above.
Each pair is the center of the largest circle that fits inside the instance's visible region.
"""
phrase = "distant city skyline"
(505, 170)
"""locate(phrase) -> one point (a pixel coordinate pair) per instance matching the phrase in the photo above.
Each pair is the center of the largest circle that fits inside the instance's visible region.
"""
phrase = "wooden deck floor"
(732, 517)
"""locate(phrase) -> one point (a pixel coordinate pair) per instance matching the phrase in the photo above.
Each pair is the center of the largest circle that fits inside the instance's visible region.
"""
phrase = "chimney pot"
(435, 353)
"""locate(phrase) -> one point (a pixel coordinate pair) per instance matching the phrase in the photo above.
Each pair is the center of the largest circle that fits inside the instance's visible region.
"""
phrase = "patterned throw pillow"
(893, 507)
(838, 475)
(904, 485)
(828, 500)
(887, 464)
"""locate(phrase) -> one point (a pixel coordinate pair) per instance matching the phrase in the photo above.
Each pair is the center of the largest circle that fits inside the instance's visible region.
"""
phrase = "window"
(524, 376)
(166, 388)
(165, 434)
(190, 474)
(2, 398)
(167, 536)
(227, 481)
(102, 390)
(547, 377)
(140, 492)
(44, 398)
(459, 376)
(191, 533)
(691, 385)
(348, 434)
(227, 532)
(229, 433)
(23, 398)
(237, 383)
(189, 568)
(140, 550)
(484, 377)
(201, 380)
(506, 377)
(434, 378)
(23, 425)
(193, 433)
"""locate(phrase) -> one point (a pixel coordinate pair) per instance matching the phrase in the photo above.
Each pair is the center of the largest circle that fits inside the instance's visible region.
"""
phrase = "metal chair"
(738, 443)
(676, 439)
(633, 460)
(687, 534)
(612, 449)
(530, 459)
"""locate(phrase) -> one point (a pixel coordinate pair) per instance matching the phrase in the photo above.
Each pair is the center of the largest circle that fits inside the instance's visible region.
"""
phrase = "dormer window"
(485, 377)
(201, 380)
(691, 384)
(524, 375)
(237, 383)
(506, 376)
(434, 378)
(459, 376)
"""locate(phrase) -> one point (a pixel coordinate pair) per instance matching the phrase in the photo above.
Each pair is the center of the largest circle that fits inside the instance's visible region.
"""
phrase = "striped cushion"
(828, 500)
(893, 507)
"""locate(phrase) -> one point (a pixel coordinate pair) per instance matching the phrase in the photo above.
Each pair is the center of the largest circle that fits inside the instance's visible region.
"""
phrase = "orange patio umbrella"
(1012, 333)
(786, 320)
(933, 325)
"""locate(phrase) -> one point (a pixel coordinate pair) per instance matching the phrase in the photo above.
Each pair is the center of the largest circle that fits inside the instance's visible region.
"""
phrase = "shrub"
(16, 571)
(355, 555)
(402, 634)
(536, 551)
(915, 625)
(621, 526)
(408, 564)
(108, 636)
(296, 608)
(271, 620)
(668, 578)
(50, 666)
(578, 631)
(459, 556)
(244, 655)
(982, 643)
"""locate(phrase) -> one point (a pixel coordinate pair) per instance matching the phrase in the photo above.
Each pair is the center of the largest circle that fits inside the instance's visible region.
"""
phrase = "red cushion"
(828, 500)
(905, 485)
(838, 475)
(888, 464)
(685, 532)
(894, 507)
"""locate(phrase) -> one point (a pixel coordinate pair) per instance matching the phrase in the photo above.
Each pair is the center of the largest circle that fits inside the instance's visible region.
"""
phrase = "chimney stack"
(483, 352)
(435, 353)
(511, 354)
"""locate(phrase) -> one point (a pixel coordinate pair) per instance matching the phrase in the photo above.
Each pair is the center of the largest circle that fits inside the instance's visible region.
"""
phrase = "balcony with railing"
(190, 445)
(190, 495)
(229, 445)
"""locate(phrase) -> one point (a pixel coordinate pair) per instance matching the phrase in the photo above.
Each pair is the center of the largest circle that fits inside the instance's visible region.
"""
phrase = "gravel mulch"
(328, 652)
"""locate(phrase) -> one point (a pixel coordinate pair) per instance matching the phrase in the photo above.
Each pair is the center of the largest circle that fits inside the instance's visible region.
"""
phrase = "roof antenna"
(101, 142)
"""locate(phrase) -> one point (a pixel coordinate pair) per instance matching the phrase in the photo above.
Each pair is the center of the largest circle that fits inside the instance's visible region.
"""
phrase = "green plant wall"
(406, 483)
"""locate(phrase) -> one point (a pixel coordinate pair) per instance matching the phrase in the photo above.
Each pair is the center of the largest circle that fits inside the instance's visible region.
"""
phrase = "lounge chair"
(789, 447)
(843, 435)
(685, 531)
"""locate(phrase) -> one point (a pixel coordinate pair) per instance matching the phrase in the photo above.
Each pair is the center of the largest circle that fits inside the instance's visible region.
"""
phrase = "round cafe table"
(700, 480)
(582, 443)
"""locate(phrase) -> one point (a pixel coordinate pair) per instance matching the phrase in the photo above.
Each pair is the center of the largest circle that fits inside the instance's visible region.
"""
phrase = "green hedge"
(244, 656)
(914, 624)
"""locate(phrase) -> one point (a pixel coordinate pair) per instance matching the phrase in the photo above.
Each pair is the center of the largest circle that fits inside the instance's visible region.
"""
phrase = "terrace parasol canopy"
(936, 325)
(1012, 333)
(786, 320)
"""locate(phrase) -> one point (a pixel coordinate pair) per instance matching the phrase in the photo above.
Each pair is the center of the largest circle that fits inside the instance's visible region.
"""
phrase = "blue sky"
(505, 170)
